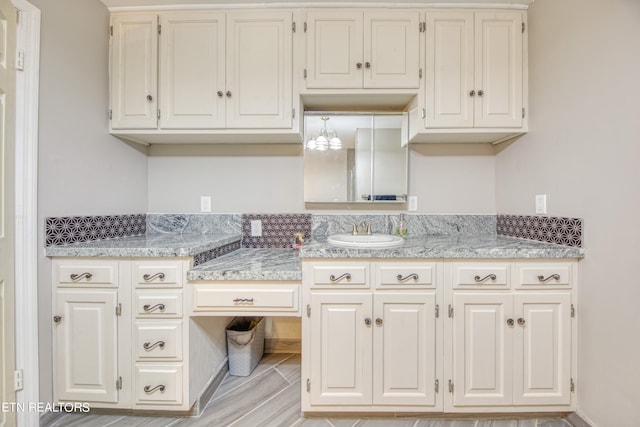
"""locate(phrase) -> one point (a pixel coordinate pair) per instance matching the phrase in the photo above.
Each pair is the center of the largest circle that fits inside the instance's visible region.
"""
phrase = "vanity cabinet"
(475, 77)
(197, 72)
(370, 343)
(119, 335)
(362, 49)
(511, 336)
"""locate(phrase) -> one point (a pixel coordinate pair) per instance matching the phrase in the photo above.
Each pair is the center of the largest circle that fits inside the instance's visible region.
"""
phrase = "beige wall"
(82, 170)
(583, 151)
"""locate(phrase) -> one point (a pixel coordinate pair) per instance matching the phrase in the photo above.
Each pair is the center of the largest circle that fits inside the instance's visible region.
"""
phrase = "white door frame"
(26, 221)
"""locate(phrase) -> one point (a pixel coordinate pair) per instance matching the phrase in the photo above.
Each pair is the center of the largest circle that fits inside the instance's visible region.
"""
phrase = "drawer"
(341, 275)
(395, 275)
(480, 275)
(158, 340)
(157, 274)
(157, 303)
(247, 298)
(87, 274)
(156, 383)
(543, 275)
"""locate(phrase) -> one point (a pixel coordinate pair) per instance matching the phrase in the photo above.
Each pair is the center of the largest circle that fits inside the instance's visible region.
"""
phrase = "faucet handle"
(354, 228)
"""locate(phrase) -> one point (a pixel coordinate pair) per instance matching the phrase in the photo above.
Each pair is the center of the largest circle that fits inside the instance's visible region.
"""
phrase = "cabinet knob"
(480, 92)
(472, 93)
(149, 98)
(379, 321)
(367, 65)
(510, 322)
(228, 94)
(521, 321)
(359, 65)
(57, 319)
(367, 321)
(220, 94)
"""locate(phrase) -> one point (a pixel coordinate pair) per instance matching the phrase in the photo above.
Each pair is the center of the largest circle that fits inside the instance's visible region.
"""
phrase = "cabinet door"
(391, 49)
(498, 68)
(542, 357)
(192, 70)
(449, 74)
(334, 50)
(340, 349)
(86, 345)
(482, 349)
(404, 350)
(134, 70)
(259, 70)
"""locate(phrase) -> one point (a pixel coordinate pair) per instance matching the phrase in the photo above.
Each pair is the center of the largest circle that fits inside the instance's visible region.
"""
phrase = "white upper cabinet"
(474, 70)
(134, 60)
(192, 75)
(259, 75)
(356, 49)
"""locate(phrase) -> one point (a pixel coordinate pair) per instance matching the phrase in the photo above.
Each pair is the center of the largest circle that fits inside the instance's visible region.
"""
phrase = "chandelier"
(325, 140)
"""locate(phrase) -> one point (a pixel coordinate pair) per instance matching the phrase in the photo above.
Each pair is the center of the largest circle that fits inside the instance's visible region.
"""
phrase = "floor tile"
(290, 369)
(87, 420)
(343, 422)
(386, 422)
(555, 422)
(135, 421)
(312, 422)
(281, 410)
(445, 423)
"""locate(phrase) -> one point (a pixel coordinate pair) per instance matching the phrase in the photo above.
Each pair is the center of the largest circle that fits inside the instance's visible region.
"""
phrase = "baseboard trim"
(282, 345)
(576, 420)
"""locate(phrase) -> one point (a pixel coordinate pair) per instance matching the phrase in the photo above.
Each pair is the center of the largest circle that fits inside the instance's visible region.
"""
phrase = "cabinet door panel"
(334, 47)
(542, 362)
(134, 70)
(192, 70)
(482, 349)
(259, 70)
(404, 349)
(449, 69)
(86, 346)
(498, 69)
(391, 49)
(341, 341)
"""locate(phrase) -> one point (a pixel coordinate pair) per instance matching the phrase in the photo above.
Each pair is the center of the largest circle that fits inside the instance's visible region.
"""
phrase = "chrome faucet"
(362, 229)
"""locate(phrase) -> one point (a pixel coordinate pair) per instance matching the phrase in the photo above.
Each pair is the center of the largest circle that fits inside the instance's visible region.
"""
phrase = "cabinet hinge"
(437, 386)
(573, 310)
(423, 27)
(572, 385)
(437, 311)
(423, 113)
(308, 385)
(293, 113)
(305, 73)
(524, 112)
(111, 30)
(158, 114)
(308, 310)
(450, 386)
(304, 27)
(523, 26)
(159, 29)
(293, 27)
(119, 383)
(450, 311)
(110, 114)
(119, 310)
(420, 73)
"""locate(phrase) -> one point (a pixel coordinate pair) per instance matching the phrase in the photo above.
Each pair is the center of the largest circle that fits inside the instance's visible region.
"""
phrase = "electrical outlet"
(256, 228)
(413, 203)
(205, 203)
(18, 380)
(541, 204)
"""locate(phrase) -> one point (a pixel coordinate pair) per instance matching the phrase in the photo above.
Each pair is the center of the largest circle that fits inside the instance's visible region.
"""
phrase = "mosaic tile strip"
(559, 230)
(75, 229)
(203, 257)
(277, 230)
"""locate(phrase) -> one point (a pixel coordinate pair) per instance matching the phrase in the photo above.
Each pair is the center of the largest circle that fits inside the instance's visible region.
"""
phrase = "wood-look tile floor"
(270, 397)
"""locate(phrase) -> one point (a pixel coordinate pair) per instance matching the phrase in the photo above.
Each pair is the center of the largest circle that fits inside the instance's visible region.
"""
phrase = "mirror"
(355, 157)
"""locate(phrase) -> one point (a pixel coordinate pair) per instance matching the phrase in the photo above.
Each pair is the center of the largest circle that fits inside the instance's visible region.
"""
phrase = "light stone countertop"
(148, 246)
(251, 264)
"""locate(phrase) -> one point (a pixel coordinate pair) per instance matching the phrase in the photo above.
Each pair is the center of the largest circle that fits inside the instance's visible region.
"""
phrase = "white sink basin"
(365, 241)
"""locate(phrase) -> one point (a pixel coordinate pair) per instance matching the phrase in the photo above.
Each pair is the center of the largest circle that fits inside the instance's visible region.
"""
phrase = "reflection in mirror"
(355, 157)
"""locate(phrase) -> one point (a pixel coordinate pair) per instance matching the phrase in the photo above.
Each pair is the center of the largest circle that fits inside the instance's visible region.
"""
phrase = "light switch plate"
(541, 204)
(205, 203)
(412, 203)
(256, 228)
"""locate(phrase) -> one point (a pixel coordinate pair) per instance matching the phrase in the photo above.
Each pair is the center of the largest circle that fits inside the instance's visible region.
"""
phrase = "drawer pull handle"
(491, 276)
(149, 308)
(241, 300)
(149, 346)
(148, 389)
(335, 279)
(85, 275)
(542, 279)
(413, 276)
(150, 277)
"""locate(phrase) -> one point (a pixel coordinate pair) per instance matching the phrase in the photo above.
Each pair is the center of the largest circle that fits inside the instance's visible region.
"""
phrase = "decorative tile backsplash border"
(203, 257)
(278, 230)
(559, 230)
(199, 223)
(74, 229)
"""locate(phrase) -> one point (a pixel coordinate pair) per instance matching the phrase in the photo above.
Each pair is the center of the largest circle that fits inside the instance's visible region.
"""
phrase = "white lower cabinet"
(118, 332)
(369, 349)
